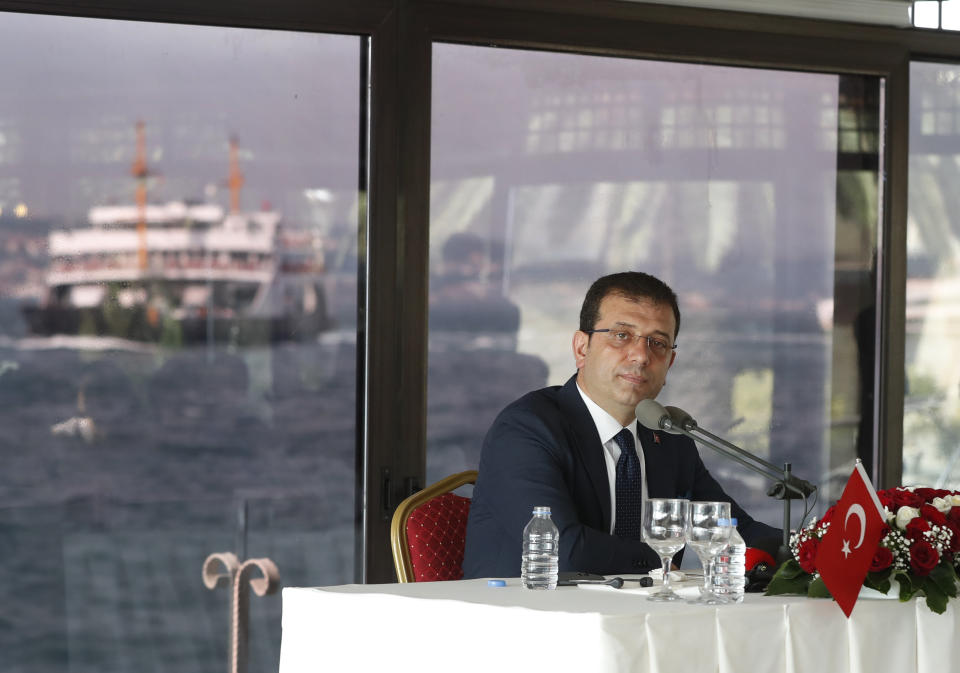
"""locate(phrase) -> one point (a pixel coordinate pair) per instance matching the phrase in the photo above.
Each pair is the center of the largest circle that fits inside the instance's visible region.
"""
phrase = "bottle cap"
(496, 583)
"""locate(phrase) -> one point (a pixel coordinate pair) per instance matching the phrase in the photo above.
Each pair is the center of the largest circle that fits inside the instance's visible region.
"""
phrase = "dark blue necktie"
(629, 488)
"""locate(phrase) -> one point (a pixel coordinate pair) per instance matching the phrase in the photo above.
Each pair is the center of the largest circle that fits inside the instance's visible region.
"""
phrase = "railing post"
(223, 569)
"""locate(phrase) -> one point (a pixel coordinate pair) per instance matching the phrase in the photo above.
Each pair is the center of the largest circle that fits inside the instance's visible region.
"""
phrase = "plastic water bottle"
(729, 568)
(541, 556)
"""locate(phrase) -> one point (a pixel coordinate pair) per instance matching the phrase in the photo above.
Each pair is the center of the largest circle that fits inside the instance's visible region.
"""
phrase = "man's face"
(618, 375)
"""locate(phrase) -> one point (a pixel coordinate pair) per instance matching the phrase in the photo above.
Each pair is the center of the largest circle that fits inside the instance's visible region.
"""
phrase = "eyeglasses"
(621, 338)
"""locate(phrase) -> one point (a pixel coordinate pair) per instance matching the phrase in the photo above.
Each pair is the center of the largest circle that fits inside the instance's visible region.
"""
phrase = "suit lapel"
(659, 453)
(587, 446)
(651, 442)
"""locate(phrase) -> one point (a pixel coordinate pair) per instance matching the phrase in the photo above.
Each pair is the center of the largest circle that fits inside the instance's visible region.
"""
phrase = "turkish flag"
(847, 548)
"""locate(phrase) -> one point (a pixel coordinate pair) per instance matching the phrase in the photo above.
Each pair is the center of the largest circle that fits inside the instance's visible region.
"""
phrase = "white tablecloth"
(469, 626)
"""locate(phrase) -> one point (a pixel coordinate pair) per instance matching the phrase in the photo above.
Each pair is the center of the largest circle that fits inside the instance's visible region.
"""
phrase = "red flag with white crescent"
(848, 547)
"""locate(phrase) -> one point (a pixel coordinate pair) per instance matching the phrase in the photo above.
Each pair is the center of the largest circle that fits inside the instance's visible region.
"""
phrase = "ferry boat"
(183, 272)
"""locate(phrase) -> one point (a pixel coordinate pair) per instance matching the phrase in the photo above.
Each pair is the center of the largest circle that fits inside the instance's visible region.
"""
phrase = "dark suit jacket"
(544, 449)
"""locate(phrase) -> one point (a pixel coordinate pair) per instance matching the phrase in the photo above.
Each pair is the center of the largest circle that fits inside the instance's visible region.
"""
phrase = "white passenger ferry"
(183, 272)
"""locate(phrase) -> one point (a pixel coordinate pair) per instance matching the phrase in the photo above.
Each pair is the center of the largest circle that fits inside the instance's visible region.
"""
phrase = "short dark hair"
(632, 285)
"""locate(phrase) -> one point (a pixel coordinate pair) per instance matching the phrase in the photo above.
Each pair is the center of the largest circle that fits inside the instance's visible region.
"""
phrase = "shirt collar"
(607, 425)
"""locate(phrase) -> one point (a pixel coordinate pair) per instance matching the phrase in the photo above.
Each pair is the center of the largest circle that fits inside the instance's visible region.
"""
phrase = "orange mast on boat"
(235, 179)
(140, 172)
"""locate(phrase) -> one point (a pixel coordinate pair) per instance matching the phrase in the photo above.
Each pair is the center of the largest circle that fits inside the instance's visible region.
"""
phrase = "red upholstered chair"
(429, 531)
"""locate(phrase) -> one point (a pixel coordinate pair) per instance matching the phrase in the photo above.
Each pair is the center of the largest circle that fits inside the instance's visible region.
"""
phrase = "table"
(469, 626)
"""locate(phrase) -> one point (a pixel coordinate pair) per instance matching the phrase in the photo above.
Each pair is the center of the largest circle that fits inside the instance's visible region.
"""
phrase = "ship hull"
(138, 324)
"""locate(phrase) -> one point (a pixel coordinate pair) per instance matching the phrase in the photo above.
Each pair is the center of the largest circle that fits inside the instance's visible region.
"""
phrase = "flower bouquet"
(919, 550)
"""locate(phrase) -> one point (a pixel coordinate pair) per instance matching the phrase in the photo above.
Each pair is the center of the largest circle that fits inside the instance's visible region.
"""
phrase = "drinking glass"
(664, 530)
(708, 531)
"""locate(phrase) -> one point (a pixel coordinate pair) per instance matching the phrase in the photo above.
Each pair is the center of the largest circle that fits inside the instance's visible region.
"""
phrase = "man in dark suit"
(574, 447)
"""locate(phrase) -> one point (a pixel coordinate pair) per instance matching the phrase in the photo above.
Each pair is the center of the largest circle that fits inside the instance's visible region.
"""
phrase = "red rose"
(916, 528)
(904, 498)
(954, 515)
(881, 560)
(896, 495)
(807, 555)
(923, 557)
(927, 494)
(886, 500)
(933, 515)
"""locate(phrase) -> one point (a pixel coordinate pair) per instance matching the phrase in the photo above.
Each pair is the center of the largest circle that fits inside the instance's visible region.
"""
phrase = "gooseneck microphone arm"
(792, 487)
(655, 416)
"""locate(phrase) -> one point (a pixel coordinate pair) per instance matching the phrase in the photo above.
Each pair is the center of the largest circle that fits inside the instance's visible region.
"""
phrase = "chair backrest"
(429, 531)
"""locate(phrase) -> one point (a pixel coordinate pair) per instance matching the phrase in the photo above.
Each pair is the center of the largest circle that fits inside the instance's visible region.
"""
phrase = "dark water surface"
(103, 536)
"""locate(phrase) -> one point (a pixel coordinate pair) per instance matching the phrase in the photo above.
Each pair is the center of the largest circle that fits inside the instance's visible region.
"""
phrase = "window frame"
(392, 299)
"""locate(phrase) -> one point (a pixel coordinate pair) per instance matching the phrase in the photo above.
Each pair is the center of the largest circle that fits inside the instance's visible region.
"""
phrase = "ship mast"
(140, 172)
(235, 178)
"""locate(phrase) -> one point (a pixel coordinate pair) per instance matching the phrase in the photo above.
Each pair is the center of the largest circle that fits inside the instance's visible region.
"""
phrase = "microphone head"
(680, 418)
(651, 414)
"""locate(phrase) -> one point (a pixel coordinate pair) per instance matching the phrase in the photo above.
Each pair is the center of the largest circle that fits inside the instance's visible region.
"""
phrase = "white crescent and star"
(857, 511)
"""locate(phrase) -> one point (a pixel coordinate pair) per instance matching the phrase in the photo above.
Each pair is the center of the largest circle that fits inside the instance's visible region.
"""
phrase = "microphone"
(795, 484)
(655, 416)
(681, 418)
(676, 421)
(786, 486)
(684, 423)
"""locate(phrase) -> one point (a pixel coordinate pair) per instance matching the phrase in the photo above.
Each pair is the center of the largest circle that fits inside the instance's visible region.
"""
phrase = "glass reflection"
(753, 193)
(183, 272)
(931, 415)
(178, 260)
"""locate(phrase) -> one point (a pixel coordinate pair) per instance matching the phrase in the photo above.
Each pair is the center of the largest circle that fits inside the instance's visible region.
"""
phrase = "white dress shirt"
(608, 427)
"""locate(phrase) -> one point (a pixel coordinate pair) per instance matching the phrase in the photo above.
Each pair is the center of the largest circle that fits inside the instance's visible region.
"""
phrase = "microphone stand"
(786, 487)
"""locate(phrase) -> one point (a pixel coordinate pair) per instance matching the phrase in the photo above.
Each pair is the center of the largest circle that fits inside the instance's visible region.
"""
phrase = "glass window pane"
(926, 14)
(753, 193)
(931, 415)
(950, 15)
(178, 263)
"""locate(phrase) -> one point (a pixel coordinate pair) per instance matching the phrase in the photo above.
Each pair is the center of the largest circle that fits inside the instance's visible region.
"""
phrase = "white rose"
(905, 515)
(942, 504)
(953, 499)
